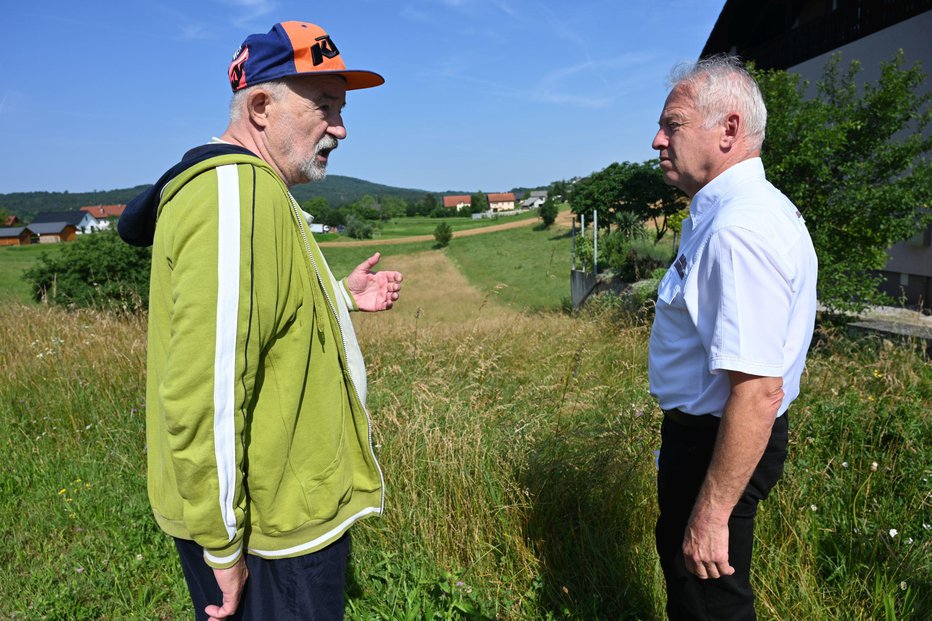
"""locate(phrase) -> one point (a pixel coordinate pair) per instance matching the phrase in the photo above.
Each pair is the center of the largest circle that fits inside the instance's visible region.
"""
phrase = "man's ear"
(257, 107)
(731, 130)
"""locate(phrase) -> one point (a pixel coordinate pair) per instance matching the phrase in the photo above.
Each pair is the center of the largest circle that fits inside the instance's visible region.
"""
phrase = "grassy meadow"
(518, 453)
(14, 260)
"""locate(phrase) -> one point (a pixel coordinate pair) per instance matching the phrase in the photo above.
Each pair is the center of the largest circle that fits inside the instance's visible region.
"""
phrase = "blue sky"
(479, 94)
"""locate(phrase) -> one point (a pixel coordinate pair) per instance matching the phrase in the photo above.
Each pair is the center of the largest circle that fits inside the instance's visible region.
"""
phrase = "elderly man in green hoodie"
(259, 443)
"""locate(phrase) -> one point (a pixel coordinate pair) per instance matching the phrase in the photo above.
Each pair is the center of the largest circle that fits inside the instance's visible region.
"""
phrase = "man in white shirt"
(734, 320)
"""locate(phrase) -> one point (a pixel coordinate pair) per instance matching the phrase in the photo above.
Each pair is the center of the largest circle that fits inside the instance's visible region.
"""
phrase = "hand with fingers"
(231, 581)
(373, 291)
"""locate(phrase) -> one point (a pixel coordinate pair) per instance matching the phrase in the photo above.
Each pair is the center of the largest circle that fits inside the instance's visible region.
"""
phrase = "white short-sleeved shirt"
(740, 296)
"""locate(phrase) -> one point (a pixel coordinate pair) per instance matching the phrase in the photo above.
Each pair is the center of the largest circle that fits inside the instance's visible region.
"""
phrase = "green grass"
(422, 225)
(14, 260)
(517, 450)
(526, 268)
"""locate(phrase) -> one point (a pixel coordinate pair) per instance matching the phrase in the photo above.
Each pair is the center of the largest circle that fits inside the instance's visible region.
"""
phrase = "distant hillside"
(338, 191)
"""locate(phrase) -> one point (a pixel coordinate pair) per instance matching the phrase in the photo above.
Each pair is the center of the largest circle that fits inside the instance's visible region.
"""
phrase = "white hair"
(719, 85)
(275, 88)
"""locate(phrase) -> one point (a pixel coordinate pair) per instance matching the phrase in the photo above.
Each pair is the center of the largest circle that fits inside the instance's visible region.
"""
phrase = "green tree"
(426, 205)
(443, 234)
(649, 198)
(480, 202)
(393, 207)
(854, 159)
(96, 270)
(548, 211)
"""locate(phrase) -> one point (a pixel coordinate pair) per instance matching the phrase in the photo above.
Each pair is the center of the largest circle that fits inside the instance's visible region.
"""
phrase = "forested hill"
(336, 189)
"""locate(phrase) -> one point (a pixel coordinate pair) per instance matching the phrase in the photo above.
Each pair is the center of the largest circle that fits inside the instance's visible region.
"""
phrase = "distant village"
(64, 226)
(58, 226)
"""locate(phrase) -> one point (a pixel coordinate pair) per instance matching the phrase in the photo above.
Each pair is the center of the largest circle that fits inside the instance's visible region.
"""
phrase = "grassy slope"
(526, 268)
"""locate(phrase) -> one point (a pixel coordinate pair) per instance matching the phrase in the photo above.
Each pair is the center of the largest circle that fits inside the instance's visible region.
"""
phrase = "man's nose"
(337, 129)
(660, 140)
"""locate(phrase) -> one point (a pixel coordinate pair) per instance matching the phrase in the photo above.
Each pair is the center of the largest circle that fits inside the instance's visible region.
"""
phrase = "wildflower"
(639, 413)
(877, 374)
(908, 541)
(844, 464)
(873, 466)
(813, 507)
(139, 557)
(79, 569)
(903, 586)
(62, 491)
(926, 526)
(894, 532)
(870, 398)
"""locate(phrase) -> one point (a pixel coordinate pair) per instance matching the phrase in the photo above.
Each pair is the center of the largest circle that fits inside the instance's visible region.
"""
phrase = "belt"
(692, 420)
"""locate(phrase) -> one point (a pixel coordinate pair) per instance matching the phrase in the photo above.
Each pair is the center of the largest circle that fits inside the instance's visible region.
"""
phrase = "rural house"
(82, 221)
(102, 212)
(457, 202)
(10, 221)
(52, 232)
(800, 37)
(535, 200)
(502, 202)
(15, 236)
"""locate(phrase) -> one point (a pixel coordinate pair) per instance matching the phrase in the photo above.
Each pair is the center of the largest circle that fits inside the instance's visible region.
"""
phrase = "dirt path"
(419, 238)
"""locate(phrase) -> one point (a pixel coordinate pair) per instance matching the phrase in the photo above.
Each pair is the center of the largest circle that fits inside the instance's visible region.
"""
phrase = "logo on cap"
(324, 48)
(238, 68)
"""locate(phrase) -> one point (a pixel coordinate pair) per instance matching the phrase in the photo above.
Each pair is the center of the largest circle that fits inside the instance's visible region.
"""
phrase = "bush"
(357, 228)
(548, 212)
(97, 270)
(443, 234)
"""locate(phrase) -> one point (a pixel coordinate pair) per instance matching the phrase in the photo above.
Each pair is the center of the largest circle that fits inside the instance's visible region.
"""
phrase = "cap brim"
(355, 78)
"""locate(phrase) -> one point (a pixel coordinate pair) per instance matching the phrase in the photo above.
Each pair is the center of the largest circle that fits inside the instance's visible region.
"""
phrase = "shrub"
(97, 270)
(548, 212)
(357, 228)
(443, 234)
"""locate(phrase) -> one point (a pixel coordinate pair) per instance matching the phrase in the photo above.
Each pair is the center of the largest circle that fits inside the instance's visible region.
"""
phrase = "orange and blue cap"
(293, 49)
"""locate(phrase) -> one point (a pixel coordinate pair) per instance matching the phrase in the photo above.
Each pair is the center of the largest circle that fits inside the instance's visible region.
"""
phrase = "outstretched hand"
(373, 291)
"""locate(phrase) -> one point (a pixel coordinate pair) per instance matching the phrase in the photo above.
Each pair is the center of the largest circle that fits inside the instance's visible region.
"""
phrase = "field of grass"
(422, 225)
(518, 454)
(14, 260)
(526, 268)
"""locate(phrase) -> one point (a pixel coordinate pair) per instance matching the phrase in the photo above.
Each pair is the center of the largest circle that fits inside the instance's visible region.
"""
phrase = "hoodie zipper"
(349, 376)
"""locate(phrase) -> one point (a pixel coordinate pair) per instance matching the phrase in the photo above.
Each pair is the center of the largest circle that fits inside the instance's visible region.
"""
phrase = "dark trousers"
(685, 454)
(308, 587)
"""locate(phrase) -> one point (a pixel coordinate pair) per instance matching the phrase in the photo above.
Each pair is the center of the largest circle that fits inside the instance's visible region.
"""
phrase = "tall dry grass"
(518, 458)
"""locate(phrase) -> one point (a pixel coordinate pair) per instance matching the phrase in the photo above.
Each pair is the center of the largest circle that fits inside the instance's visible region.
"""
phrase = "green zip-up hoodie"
(256, 428)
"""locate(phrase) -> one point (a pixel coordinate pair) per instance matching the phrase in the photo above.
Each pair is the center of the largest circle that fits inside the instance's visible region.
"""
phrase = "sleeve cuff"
(224, 558)
(348, 297)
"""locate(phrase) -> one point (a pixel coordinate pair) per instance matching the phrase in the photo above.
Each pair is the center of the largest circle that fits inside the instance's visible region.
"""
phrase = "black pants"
(685, 454)
(308, 587)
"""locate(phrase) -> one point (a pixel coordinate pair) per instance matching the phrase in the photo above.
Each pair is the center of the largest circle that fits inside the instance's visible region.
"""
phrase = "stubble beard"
(313, 169)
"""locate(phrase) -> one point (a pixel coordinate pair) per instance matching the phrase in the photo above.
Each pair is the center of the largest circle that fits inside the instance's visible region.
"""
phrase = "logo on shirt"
(680, 266)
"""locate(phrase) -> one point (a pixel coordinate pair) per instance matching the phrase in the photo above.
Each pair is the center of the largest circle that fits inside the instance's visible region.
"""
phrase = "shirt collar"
(711, 194)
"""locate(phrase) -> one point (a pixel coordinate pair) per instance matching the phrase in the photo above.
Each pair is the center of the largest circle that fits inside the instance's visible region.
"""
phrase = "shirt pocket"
(670, 290)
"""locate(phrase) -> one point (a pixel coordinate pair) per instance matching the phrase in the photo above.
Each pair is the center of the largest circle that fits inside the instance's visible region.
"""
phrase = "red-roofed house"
(502, 202)
(102, 212)
(457, 202)
(10, 221)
